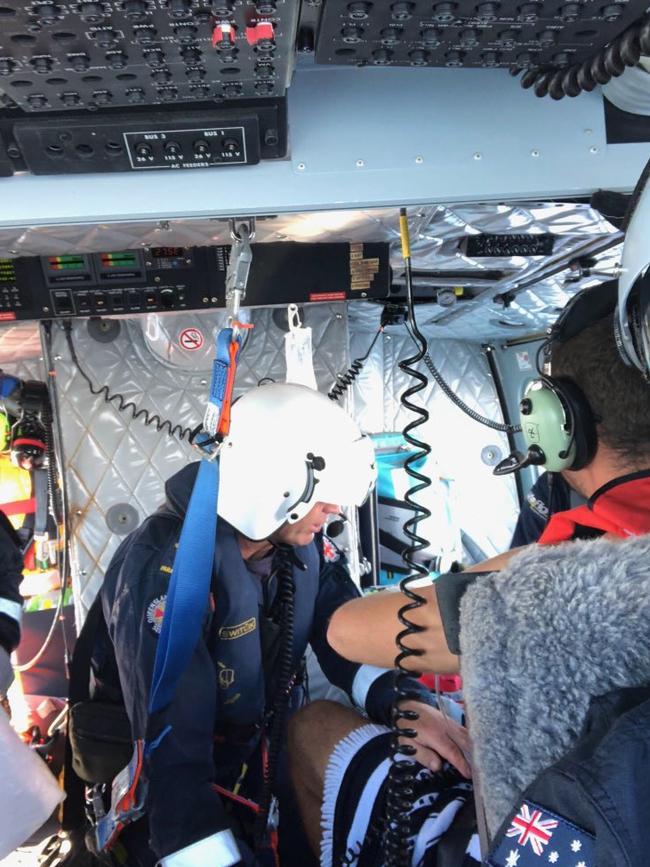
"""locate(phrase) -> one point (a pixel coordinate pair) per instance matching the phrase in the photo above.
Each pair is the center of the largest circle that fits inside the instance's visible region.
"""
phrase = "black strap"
(39, 484)
(73, 814)
(454, 842)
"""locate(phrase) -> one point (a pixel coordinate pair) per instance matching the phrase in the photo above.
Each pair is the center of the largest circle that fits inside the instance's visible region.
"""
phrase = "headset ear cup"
(584, 432)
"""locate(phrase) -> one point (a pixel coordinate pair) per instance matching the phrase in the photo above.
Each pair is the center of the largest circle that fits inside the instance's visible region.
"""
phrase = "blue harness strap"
(189, 588)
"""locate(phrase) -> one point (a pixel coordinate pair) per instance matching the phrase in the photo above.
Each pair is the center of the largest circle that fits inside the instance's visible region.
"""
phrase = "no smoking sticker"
(190, 339)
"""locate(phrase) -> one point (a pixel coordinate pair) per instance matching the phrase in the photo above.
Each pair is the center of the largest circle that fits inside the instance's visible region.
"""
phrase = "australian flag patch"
(536, 837)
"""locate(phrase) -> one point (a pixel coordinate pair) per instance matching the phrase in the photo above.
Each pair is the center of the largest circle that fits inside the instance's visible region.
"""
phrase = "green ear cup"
(544, 424)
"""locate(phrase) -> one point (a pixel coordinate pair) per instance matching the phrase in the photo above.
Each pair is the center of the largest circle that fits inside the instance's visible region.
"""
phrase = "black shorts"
(354, 804)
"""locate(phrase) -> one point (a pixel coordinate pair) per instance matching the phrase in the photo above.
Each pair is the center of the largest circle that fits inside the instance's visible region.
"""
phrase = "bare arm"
(364, 630)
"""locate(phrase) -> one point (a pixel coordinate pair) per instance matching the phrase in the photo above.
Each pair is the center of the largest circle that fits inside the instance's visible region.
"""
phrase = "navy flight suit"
(221, 698)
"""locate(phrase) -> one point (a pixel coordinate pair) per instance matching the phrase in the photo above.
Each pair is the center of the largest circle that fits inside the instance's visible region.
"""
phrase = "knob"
(546, 38)
(185, 34)
(43, 64)
(265, 7)
(47, 13)
(529, 11)
(161, 76)
(106, 38)
(135, 94)
(154, 57)
(222, 8)
(144, 35)
(431, 37)
(391, 35)
(611, 12)
(117, 60)
(167, 297)
(37, 100)
(135, 9)
(143, 150)
(561, 59)
(167, 93)
(200, 89)
(264, 70)
(91, 12)
(402, 10)
(570, 12)
(508, 37)
(223, 36)
(191, 55)
(70, 99)
(352, 34)
(179, 8)
(444, 12)
(102, 97)
(490, 58)
(454, 58)
(197, 73)
(202, 148)
(79, 62)
(232, 89)
(524, 59)
(381, 56)
(263, 88)
(227, 55)
(230, 145)
(173, 148)
(418, 57)
(7, 65)
(487, 11)
(469, 38)
(359, 9)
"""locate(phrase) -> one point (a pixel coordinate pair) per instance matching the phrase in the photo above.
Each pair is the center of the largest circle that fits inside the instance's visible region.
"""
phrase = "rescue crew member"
(11, 605)
(348, 754)
(291, 459)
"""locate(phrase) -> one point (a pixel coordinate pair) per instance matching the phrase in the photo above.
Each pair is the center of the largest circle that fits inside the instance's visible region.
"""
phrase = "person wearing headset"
(291, 458)
(11, 603)
(589, 420)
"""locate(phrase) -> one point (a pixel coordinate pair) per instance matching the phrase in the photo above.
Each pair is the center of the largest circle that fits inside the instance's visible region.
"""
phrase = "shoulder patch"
(536, 836)
(330, 552)
(155, 613)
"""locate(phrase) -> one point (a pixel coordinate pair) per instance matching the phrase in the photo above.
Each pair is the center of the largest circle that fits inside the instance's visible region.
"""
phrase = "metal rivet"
(339, 316)
(360, 164)
(419, 160)
(364, 294)
(534, 153)
(301, 167)
(46, 310)
(589, 132)
(593, 149)
(478, 156)
(205, 300)
(214, 300)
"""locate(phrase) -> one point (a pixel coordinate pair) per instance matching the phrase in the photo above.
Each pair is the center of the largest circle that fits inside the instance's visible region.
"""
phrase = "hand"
(6, 672)
(438, 740)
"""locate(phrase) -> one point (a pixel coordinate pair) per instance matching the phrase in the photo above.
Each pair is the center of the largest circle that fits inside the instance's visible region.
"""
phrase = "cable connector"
(241, 256)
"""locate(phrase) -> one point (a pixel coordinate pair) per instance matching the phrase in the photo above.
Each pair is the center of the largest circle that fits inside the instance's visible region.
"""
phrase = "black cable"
(610, 62)
(345, 380)
(123, 405)
(285, 598)
(401, 777)
(472, 413)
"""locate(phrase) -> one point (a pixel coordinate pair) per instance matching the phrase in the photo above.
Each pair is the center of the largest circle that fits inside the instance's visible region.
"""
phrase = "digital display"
(167, 252)
(7, 271)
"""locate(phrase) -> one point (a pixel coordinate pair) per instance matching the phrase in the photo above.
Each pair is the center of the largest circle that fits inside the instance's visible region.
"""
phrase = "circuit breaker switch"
(260, 33)
(223, 36)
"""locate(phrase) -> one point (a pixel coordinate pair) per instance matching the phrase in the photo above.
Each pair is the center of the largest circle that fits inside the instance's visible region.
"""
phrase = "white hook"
(293, 316)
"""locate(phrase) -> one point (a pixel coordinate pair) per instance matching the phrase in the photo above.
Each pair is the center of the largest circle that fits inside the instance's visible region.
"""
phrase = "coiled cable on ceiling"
(401, 778)
(622, 52)
(126, 406)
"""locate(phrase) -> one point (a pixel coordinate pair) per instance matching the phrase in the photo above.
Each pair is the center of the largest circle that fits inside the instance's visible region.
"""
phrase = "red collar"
(621, 507)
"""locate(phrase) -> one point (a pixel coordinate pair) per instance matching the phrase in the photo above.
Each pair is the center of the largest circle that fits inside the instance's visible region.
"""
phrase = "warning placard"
(190, 339)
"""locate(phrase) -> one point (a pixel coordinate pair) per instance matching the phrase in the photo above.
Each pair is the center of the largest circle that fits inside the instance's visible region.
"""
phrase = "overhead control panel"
(161, 279)
(58, 55)
(517, 34)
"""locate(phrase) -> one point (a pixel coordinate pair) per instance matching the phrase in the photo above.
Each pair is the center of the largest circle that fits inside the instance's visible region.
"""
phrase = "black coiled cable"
(345, 380)
(612, 61)
(401, 777)
(124, 405)
(285, 599)
(481, 419)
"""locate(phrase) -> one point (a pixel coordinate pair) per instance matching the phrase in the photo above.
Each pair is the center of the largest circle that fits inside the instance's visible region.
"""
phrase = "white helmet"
(633, 312)
(289, 447)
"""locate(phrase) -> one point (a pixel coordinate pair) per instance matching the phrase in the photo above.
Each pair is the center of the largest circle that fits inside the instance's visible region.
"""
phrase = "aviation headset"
(557, 422)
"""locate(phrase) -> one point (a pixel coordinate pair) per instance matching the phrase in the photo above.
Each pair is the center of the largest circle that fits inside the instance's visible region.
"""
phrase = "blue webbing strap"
(189, 588)
(189, 585)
